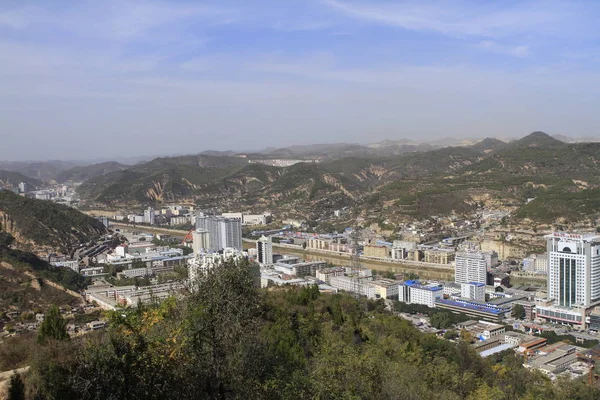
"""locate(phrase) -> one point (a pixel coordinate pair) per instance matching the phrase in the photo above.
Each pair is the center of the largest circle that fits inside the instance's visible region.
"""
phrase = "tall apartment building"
(200, 241)
(573, 269)
(222, 232)
(264, 250)
(471, 266)
(149, 216)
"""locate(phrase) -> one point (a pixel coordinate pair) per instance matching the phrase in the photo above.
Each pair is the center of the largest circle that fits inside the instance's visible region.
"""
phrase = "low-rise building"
(326, 274)
(473, 291)
(413, 292)
(386, 288)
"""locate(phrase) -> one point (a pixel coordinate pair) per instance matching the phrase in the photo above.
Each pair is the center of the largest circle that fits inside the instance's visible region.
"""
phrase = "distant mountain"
(82, 173)
(489, 145)
(38, 223)
(9, 179)
(389, 180)
(536, 139)
(319, 150)
(40, 170)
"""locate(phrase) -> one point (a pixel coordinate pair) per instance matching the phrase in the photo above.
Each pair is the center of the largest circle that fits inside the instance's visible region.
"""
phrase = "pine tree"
(53, 327)
(16, 388)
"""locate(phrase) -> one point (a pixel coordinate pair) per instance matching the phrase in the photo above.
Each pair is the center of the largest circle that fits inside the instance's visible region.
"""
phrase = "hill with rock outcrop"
(44, 225)
(409, 185)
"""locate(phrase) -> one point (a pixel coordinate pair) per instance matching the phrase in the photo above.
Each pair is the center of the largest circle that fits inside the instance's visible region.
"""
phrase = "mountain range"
(391, 180)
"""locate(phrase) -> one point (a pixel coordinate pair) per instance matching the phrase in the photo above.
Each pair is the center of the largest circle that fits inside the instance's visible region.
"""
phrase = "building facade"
(222, 232)
(470, 267)
(573, 269)
(473, 291)
(264, 251)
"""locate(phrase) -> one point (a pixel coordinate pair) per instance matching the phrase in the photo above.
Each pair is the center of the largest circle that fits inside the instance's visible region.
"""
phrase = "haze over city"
(106, 79)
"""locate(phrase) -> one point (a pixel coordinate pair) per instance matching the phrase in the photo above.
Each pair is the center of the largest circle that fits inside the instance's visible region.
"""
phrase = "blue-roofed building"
(413, 292)
(474, 308)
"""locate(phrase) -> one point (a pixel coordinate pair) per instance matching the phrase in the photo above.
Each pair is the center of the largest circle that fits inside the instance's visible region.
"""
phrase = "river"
(423, 272)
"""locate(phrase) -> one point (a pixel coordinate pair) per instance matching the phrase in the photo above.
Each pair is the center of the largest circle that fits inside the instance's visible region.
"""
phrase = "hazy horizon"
(114, 79)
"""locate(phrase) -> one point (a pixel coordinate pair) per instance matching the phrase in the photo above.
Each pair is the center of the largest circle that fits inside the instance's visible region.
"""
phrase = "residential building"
(200, 241)
(327, 273)
(375, 251)
(149, 216)
(473, 291)
(222, 232)
(439, 256)
(573, 268)
(471, 266)
(23, 187)
(264, 251)
(536, 263)
(352, 284)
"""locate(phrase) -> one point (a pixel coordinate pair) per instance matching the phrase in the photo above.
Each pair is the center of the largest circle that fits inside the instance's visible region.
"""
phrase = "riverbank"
(149, 229)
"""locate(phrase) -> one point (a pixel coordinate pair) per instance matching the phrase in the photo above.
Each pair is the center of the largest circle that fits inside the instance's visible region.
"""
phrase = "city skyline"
(119, 78)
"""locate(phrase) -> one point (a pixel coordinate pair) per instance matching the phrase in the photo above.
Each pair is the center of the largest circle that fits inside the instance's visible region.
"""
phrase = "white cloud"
(469, 18)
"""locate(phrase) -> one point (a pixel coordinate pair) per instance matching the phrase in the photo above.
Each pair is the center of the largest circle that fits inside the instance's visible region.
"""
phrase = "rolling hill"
(412, 184)
(45, 225)
(9, 179)
(83, 173)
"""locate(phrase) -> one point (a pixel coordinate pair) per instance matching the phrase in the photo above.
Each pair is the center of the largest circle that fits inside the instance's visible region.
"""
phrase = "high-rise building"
(264, 249)
(149, 216)
(23, 187)
(222, 232)
(471, 266)
(573, 268)
(200, 241)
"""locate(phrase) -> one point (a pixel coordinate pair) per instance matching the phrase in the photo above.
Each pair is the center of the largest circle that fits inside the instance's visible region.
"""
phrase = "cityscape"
(328, 199)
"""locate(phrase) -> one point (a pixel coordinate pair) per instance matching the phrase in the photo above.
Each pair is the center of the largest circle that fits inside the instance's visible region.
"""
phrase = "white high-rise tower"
(573, 268)
(471, 266)
(264, 248)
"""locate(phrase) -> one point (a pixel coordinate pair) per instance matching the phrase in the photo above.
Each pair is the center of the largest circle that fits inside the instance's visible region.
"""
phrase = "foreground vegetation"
(230, 340)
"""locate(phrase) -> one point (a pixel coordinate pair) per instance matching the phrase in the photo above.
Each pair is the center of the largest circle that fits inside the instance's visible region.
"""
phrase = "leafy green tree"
(53, 326)
(221, 313)
(16, 387)
(518, 311)
(440, 320)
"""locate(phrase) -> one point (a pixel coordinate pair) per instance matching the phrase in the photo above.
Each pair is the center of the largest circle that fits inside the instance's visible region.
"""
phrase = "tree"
(518, 311)
(16, 387)
(53, 326)
(222, 314)
(440, 320)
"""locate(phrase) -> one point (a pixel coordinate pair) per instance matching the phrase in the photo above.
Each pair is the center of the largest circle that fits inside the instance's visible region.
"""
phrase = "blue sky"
(95, 79)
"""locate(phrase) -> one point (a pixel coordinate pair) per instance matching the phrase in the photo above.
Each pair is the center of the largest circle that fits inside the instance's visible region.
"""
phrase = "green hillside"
(43, 223)
(9, 179)
(230, 340)
(83, 173)
(410, 185)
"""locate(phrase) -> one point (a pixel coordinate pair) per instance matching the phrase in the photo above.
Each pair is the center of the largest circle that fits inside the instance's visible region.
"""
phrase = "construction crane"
(188, 237)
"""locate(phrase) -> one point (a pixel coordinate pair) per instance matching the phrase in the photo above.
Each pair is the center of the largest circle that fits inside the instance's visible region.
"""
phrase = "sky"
(100, 79)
